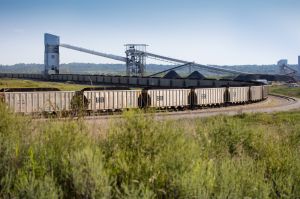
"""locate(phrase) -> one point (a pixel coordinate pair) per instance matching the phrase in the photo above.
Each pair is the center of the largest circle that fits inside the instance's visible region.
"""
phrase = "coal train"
(118, 99)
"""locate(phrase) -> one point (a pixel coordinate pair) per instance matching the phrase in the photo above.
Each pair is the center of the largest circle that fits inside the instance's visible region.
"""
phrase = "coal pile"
(195, 75)
(172, 75)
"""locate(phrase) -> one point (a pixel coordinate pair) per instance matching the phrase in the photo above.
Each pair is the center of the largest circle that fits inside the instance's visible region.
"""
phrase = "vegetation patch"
(285, 90)
(244, 156)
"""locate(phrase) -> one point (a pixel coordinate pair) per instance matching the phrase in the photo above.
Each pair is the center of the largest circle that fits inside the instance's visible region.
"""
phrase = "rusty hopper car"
(238, 94)
(112, 99)
(209, 96)
(166, 98)
(38, 102)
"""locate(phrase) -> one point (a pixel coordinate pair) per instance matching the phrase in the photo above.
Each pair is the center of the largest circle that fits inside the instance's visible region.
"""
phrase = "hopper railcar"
(119, 99)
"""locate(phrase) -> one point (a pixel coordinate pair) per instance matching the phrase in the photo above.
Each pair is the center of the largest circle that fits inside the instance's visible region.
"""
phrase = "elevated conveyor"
(135, 58)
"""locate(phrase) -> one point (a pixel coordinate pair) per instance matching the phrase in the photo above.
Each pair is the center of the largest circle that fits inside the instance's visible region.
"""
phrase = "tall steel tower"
(282, 64)
(136, 59)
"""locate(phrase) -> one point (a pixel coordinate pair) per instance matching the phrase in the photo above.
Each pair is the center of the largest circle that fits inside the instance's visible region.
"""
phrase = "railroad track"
(284, 97)
(274, 103)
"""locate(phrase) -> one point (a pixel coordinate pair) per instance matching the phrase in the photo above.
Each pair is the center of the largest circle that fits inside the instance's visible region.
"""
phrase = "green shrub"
(225, 179)
(135, 191)
(142, 151)
(269, 150)
(27, 186)
(88, 175)
(245, 156)
(14, 134)
(225, 137)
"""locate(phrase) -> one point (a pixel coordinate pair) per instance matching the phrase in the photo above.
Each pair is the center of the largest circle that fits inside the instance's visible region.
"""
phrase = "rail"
(283, 96)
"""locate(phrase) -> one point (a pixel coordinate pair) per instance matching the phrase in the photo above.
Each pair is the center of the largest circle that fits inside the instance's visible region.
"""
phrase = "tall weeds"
(246, 156)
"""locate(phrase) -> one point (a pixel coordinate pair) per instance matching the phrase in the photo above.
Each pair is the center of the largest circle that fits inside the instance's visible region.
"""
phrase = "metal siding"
(153, 81)
(190, 82)
(124, 80)
(210, 96)
(112, 99)
(256, 93)
(133, 80)
(93, 78)
(177, 82)
(75, 77)
(205, 83)
(165, 82)
(64, 77)
(53, 77)
(265, 91)
(80, 78)
(168, 97)
(107, 79)
(238, 94)
(142, 81)
(60, 77)
(32, 102)
(115, 80)
(99, 79)
(87, 78)
(69, 77)
(40, 76)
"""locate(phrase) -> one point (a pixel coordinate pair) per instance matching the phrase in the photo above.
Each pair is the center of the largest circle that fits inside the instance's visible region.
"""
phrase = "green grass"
(19, 83)
(244, 156)
(285, 90)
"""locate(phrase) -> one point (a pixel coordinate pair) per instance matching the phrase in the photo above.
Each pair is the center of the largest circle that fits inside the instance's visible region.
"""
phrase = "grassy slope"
(18, 83)
(285, 90)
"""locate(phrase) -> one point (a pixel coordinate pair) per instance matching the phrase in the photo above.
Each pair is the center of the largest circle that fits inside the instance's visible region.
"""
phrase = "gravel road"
(274, 103)
(101, 124)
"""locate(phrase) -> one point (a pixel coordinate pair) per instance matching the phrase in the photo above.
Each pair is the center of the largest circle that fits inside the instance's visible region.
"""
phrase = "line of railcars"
(122, 99)
(141, 82)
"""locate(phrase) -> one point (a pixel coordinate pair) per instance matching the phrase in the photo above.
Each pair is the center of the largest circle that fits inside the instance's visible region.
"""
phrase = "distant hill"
(119, 69)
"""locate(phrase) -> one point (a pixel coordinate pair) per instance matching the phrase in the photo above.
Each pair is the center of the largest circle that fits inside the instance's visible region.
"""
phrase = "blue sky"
(208, 32)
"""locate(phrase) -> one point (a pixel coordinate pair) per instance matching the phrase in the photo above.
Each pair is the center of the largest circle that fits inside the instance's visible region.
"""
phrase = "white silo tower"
(51, 58)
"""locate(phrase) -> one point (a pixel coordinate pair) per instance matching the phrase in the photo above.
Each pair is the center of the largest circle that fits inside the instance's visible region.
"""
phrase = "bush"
(27, 186)
(88, 175)
(142, 151)
(265, 154)
(245, 156)
(225, 179)
(14, 134)
(46, 160)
